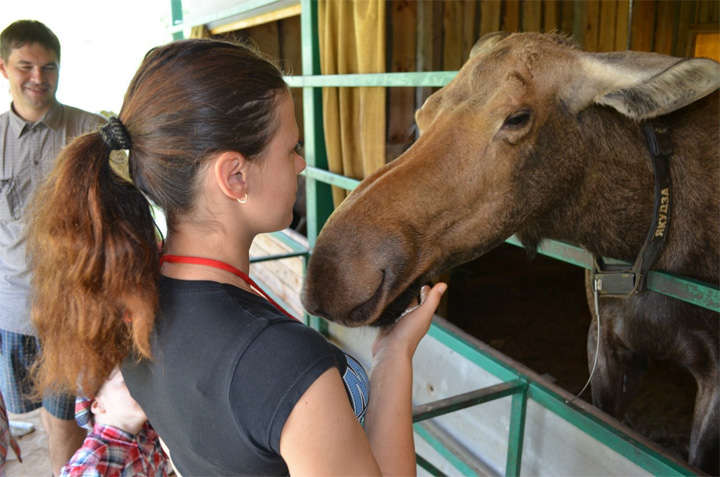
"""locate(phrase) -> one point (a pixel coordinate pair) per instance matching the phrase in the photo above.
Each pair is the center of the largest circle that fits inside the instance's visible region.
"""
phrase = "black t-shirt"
(227, 370)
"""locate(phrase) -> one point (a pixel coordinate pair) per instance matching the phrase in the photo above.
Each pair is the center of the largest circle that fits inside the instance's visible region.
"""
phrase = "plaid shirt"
(6, 438)
(111, 452)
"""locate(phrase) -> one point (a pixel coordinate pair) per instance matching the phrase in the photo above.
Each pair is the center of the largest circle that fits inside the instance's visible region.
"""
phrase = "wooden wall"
(432, 35)
(437, 35)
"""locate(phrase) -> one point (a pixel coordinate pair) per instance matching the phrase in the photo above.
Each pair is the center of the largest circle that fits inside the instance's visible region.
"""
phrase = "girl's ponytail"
(91, 240)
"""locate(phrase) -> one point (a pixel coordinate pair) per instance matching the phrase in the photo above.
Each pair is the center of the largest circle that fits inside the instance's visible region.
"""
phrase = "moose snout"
(351, 273)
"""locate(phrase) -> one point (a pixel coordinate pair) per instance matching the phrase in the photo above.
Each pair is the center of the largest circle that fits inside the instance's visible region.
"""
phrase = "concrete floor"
(34, 450)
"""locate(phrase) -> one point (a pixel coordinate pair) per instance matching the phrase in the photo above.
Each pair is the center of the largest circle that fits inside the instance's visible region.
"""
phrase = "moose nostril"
(365, 312)
(310, 305)
(318, 312)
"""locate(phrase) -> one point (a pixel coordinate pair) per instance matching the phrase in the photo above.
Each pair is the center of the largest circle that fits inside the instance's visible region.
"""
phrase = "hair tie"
(115, 135)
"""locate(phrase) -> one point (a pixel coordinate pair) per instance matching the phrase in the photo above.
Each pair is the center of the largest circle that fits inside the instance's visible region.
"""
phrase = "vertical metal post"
(516, 433)
(177, 17)
(319, 195)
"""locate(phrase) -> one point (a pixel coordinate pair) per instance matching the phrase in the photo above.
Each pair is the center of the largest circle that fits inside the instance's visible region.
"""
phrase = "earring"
(243, 200)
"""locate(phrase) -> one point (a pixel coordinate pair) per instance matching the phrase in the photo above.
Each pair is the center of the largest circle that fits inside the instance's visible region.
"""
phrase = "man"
(32, 133)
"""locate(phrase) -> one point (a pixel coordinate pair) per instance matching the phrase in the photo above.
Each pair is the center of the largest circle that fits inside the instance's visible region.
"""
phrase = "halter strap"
(619, 280)
(209, 262)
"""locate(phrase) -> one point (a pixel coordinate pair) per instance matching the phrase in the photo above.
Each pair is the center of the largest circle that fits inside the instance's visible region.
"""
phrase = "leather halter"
(618, 280)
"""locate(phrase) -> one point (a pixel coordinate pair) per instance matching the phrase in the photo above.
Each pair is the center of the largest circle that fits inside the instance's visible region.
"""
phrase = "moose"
(538, 138)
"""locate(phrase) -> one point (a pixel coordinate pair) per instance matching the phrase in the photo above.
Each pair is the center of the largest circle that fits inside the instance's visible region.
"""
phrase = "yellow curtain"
(352, 40)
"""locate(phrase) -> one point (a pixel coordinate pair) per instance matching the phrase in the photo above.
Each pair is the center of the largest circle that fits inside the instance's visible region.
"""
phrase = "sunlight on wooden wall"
(707, 45)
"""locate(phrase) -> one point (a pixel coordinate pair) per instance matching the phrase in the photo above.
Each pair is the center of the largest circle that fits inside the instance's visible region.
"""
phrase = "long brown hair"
(91, 237)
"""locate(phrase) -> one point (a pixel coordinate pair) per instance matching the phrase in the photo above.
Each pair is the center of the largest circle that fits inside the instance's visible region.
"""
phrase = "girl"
(231, 384)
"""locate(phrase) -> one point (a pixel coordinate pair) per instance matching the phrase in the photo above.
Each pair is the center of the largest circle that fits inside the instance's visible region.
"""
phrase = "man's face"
(32, 71)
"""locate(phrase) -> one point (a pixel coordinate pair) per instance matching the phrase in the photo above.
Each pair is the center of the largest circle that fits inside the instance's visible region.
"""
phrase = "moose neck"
(610, 213)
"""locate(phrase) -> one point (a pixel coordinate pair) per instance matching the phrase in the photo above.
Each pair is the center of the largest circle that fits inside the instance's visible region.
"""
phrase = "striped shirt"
(27, 154)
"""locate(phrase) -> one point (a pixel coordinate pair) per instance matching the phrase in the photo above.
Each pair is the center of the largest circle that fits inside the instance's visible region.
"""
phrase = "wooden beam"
(403, 16)
(429, 45)
(452, 47)
(704, 11)
(531, 16)
(686, 18)
(567, 16)
(579, 9)
(490, 17)
(664, 27)
(551, 15)
(511, 18)
(643, 21)
(621, 26)
(607, 27)
(591, 25)
(287, 12)
(267, 37)
(469, 30)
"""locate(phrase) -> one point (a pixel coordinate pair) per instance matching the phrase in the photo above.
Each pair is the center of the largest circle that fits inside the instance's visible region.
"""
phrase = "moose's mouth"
(396, 307)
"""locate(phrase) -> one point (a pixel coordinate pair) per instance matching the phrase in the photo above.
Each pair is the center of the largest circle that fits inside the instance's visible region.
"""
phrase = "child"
(121, 441)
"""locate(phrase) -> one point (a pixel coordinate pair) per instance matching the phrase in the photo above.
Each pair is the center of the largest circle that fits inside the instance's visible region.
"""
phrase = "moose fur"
(537, 138)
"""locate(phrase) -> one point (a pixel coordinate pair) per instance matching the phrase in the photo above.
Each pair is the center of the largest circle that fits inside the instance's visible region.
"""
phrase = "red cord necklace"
(209, 262)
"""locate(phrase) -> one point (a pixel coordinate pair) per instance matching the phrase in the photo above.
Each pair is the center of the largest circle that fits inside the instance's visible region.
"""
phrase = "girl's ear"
(230, 173)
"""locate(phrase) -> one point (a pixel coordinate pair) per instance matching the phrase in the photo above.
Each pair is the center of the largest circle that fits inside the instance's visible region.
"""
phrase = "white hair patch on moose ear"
(594, 78)
(641, 92)
(606, 76)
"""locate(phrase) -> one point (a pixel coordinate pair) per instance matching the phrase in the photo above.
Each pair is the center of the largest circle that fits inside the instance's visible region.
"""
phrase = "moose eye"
(517, 120)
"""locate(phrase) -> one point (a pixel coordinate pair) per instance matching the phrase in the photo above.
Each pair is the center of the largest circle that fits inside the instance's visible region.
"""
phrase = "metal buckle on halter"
(615, 280)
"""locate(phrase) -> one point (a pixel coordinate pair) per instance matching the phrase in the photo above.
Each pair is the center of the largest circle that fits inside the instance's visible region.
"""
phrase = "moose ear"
(641, 85)
(488, 41)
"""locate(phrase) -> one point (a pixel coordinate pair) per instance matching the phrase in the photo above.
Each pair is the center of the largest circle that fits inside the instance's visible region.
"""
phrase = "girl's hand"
(405, 335)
